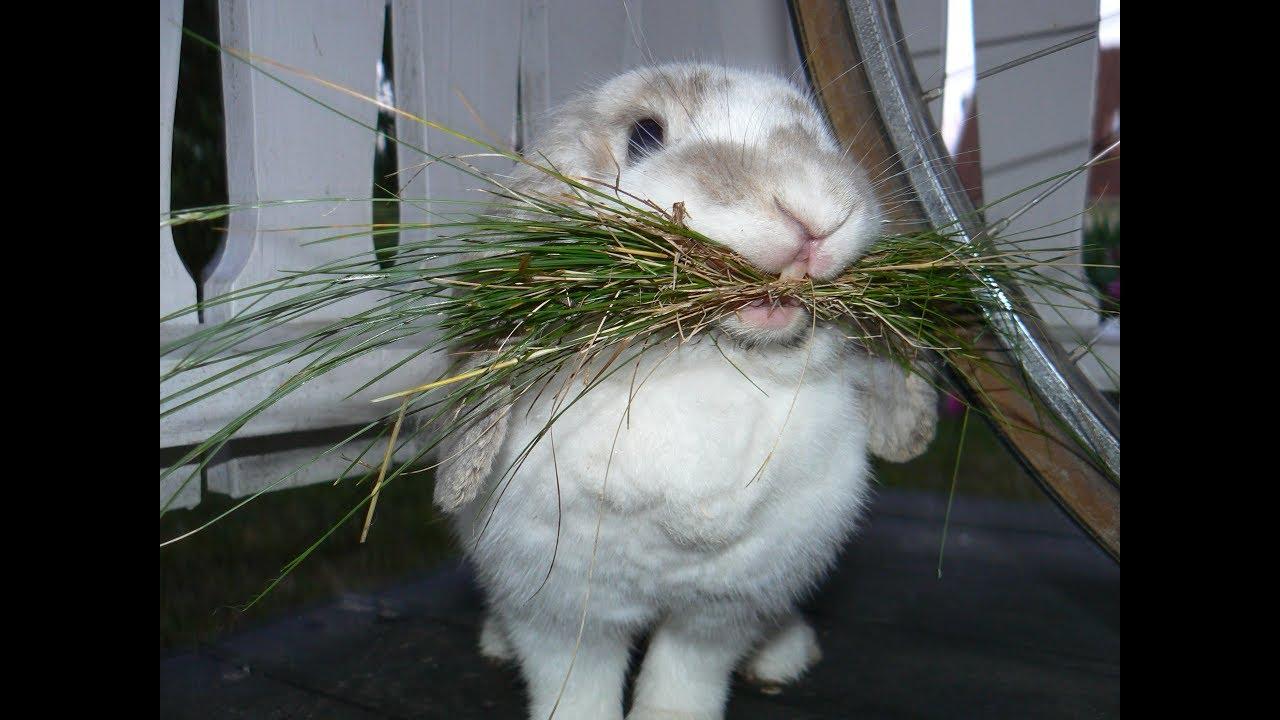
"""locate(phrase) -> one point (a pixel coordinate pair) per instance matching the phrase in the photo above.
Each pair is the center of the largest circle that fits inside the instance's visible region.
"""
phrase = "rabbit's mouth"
(771, 314)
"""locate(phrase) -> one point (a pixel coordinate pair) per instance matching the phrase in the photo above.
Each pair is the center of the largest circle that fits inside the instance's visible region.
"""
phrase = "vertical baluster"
(283, 146)
(176, 287)
(1036, 122)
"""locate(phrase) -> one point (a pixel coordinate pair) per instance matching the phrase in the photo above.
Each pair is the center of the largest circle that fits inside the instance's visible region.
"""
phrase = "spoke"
(937, 92)
(1079, 353)
(1000, 226)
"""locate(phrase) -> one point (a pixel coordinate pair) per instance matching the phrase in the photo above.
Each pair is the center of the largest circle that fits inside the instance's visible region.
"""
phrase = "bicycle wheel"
(1068, 436)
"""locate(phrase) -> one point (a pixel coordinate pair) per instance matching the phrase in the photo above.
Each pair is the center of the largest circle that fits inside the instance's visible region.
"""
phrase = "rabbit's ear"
(467, 456)
(901, 411)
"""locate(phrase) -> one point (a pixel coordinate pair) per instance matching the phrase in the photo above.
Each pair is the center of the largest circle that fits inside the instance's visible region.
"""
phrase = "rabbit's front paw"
(903, 418)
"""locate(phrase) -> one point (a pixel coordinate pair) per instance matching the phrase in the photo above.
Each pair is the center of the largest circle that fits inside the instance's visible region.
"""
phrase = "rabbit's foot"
(493, 641)
(785, 655)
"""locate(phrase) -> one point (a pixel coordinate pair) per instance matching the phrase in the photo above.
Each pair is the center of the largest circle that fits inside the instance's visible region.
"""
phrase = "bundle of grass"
(540, 283)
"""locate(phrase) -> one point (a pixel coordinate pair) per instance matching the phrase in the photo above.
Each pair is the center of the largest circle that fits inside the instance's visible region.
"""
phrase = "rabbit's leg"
(786, 654)
(688, 665)
(493, 640)
(547, 649)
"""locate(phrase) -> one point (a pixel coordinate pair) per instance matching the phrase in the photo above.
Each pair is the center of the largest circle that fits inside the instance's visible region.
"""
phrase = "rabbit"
(693, 498)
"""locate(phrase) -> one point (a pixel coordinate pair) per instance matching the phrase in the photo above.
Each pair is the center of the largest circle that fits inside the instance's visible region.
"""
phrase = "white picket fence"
(511, 60)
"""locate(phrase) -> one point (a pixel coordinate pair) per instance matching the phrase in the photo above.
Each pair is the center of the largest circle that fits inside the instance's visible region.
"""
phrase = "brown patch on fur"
(662, 93)
(703, 82)
(799, 106)
(792, 138)
(631, 112)
(599, 155)
(725, 171)
(697, 83)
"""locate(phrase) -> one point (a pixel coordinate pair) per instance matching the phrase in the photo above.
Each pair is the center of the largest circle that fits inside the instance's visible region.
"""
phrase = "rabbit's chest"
(711, 487)
(701, 456)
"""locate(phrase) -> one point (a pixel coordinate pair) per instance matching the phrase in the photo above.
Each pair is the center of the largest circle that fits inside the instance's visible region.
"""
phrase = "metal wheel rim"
(1090, 496)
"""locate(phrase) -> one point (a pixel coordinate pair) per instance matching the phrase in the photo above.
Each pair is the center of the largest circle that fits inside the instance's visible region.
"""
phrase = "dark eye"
(646, 137)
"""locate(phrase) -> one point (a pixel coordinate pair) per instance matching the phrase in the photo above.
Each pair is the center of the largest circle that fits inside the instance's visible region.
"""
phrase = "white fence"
(510, 61)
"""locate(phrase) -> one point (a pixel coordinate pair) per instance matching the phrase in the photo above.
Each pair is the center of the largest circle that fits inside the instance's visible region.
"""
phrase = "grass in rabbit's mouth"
(538, 284)
(583, 277)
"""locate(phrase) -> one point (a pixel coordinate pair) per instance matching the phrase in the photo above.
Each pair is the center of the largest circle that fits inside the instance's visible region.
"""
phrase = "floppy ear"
(467, 456)
(901, 410)
(468, 452)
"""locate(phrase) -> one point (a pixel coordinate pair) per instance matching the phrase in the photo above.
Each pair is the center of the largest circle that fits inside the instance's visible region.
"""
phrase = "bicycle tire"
(853, 50)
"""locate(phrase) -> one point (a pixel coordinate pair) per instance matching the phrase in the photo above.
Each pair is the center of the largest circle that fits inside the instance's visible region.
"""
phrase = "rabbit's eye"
(646, 137)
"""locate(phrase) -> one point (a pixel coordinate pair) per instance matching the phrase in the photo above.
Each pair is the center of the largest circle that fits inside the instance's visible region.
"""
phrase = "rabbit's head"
(750, 157)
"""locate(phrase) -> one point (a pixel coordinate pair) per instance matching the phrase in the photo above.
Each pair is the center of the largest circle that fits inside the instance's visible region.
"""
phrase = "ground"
(1023, 623)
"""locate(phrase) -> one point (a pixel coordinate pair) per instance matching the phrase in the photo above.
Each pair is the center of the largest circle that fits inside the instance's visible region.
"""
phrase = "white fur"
(687, 539)
(704, 507)
(493, 641)
(786, 655)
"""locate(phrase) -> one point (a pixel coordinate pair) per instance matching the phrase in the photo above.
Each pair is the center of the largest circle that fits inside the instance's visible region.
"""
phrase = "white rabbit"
(656, 507)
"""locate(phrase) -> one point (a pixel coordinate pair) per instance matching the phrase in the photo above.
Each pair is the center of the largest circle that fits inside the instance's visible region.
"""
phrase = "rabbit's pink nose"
(806, 257)
(802, 264)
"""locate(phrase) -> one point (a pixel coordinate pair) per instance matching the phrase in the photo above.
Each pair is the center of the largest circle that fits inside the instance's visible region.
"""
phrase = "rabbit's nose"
(798, 268)
(809, 246)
